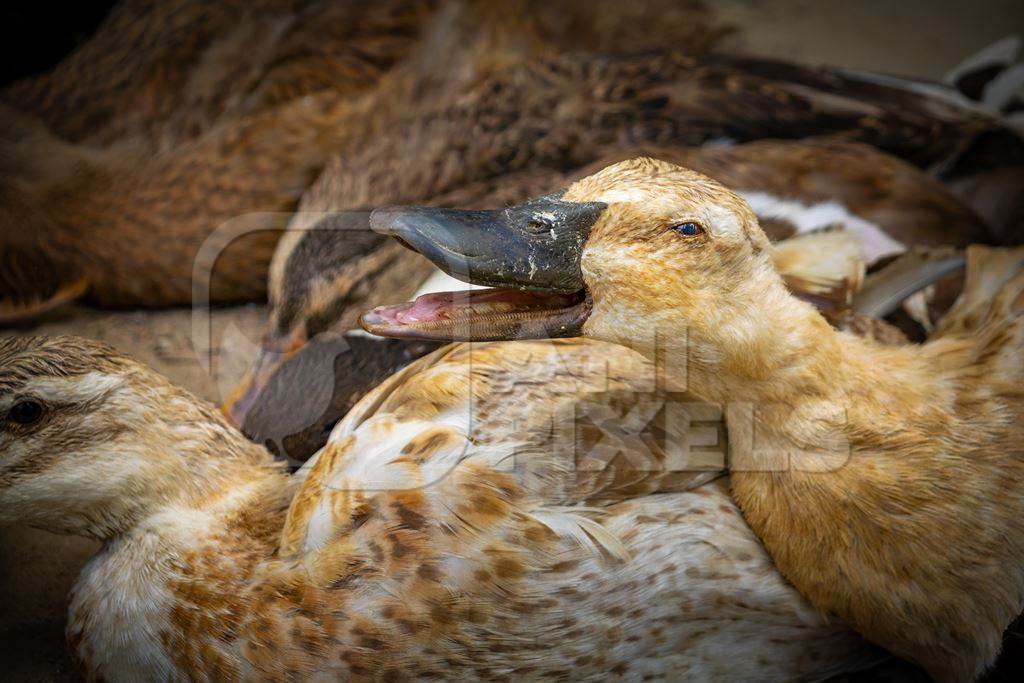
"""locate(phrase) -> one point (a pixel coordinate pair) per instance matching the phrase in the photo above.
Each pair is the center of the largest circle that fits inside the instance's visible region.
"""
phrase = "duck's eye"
(689, 228)
(25, 412)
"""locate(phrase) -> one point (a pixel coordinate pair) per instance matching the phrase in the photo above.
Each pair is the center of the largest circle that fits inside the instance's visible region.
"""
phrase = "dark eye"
(690, 229)
(25, 412)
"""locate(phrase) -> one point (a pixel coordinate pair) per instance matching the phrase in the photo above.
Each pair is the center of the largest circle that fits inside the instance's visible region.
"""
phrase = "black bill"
(529, 254)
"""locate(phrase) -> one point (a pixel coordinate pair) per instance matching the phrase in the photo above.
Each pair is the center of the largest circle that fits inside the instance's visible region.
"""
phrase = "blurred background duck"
(171, 70)
(445, 531)
(884, 480)
(167, 72)
(172, 121)
(229, 134)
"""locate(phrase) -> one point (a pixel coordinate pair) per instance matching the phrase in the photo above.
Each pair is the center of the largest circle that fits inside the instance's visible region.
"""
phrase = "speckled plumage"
(542, 567)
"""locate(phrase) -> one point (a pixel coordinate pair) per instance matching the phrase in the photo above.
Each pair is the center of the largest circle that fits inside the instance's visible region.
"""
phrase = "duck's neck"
(794, 355)
(858, 469)
(773, 349)
(190, 540)
(800, 394)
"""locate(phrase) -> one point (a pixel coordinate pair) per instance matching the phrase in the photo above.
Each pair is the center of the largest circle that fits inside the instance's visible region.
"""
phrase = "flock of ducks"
(741, 399)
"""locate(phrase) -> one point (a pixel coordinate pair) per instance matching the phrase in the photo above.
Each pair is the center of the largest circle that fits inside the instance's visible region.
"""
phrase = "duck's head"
(328, 268)
(319, 268)
(633, 251)
(90, 440)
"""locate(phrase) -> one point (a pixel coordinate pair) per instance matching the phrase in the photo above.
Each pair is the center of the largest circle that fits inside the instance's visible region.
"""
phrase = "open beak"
(529, 254)
(273, 353)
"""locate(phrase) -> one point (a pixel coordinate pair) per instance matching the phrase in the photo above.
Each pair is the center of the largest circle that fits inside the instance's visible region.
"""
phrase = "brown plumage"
(258, 138)
(189, 146)
(166, 72)
(172, 69)
(175, 120)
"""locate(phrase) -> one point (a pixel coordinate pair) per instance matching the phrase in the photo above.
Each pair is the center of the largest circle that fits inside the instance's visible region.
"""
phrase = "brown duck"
(172, 121)
(316, 286)
(885, 481)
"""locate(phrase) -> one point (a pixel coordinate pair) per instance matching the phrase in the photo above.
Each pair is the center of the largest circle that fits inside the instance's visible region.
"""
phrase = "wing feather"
(570, 424)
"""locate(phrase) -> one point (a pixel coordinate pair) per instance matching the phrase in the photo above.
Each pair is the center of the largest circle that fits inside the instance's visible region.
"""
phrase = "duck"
(194, 128)
(292, 399)
(885, 481)
(316, 291)
(194, 148)
(165, 74)
(168, 72)
(88, 215)
(446, 530)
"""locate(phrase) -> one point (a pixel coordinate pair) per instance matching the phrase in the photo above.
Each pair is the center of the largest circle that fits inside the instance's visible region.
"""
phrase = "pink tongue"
(429, 307)
(440, 305)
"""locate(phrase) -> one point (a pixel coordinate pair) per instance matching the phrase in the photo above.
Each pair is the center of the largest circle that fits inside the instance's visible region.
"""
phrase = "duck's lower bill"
(484, 315)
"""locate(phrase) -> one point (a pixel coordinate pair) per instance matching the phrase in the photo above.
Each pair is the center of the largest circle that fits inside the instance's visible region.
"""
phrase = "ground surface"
(914, 37)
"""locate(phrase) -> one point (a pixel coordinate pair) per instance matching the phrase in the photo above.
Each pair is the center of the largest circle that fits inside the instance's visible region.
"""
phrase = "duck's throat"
(782, 353)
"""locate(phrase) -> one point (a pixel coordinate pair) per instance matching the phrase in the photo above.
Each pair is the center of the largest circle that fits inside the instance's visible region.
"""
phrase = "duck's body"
(447, 530)
(933, 436)
(886, 481)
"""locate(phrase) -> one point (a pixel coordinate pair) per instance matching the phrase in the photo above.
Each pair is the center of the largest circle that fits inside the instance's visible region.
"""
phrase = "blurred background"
(913, 37)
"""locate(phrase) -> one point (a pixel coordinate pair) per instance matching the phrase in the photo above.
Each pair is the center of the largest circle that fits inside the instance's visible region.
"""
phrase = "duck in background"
(885, 481)
(317, 291)
(90, 213)
(178, 123)
(167, 72)
(171, 122)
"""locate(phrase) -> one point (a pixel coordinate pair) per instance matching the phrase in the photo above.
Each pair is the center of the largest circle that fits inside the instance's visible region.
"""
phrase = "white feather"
(570, 523)
(875, 242)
